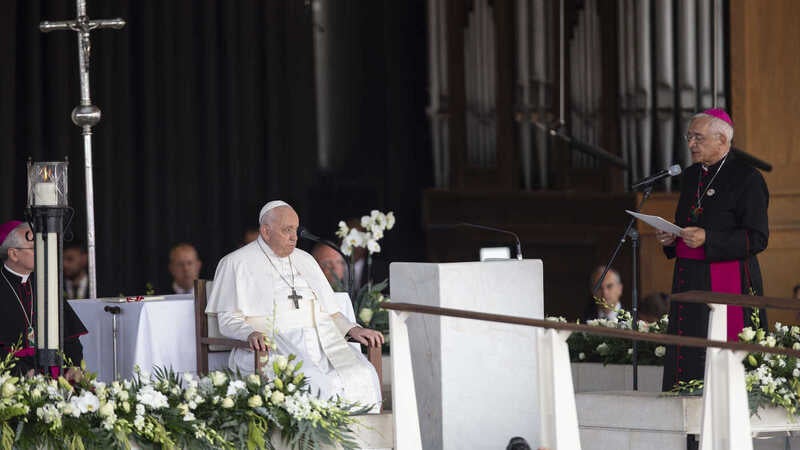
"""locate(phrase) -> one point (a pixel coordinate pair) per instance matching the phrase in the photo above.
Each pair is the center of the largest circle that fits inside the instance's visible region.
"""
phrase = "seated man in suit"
(184, 265)
(332, 265)
(610, 291)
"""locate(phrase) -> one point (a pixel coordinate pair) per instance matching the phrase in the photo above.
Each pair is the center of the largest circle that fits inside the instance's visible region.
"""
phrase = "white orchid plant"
(373, 227)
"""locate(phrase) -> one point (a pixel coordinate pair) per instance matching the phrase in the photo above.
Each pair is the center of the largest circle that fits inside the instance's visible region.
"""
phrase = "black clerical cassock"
(18, 316)
(729, 201)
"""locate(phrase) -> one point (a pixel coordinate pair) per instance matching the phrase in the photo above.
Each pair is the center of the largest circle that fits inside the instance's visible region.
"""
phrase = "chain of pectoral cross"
(294, 296)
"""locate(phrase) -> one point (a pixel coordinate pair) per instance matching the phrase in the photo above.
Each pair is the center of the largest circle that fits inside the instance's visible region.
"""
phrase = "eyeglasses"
(699, 138)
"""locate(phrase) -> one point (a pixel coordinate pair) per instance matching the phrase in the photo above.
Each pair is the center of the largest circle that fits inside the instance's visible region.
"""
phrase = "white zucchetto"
(269, 206)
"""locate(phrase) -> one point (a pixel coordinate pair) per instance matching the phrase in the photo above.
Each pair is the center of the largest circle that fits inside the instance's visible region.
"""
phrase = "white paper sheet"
(657, 222)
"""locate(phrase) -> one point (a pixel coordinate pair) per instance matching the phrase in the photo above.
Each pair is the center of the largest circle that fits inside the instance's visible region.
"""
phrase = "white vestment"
(249, 295)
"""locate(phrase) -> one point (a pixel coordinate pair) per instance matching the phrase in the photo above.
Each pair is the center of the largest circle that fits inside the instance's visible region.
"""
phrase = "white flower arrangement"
(772, 379)
(586, 347)
(168, 411)
(374, 226)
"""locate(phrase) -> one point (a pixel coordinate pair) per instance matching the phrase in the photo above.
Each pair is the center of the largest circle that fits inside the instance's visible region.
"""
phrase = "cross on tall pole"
(86, 115)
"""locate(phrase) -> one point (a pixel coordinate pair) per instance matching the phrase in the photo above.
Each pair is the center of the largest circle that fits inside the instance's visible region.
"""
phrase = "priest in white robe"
(270, 289)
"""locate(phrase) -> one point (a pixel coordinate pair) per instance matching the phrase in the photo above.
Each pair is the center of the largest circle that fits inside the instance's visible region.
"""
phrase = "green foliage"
(586, 347)
(168, 411)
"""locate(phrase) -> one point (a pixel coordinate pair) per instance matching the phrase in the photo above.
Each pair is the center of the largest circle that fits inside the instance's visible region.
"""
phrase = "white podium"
(475, 381)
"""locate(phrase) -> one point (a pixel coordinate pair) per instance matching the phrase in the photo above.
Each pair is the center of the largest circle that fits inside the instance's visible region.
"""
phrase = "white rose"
(218, 378)
(747, 334)
(281, 362)
(254, 401)
(227, 403)
(389, 220)
(277, 397)
(660, 351)
(106, 409)
(770, 341)
(796, 346)
(581, 356)
(365, 221)
(254, 379)
(9, 388)
(602, 349)
(365, 315)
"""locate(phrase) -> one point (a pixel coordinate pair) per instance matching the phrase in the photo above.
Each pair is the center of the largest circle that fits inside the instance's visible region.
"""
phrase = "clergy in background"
(723, 211)
(17, 300)
(270, 289)
(184, 266)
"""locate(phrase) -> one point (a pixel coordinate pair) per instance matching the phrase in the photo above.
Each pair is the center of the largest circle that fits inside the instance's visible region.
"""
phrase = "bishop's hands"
(366, 336)
(665, 239)
(693, 237)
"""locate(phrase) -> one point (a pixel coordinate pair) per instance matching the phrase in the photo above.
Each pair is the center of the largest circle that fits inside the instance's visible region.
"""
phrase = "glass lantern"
(47, 184)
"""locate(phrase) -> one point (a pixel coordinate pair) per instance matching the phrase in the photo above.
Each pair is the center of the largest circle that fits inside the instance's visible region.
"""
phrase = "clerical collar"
(716, 165)
(24, 277)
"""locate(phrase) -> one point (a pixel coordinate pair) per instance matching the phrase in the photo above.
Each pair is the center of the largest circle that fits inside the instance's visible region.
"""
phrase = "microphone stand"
(634, 236)
(114, 311)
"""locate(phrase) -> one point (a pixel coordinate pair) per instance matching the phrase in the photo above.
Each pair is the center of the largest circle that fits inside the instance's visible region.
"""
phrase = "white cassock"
(249, 295)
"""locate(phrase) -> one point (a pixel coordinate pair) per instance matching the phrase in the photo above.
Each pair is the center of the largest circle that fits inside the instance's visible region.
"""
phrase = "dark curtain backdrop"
(208, 112)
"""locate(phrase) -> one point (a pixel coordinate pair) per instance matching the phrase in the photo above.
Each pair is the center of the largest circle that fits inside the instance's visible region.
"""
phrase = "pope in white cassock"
(269, 288)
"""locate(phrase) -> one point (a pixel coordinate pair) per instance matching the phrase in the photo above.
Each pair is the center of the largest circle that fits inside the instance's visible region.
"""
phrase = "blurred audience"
(653, 307)
(610, 290)
(184, 265)
(332, 264)
(76, 262)
(250, 235)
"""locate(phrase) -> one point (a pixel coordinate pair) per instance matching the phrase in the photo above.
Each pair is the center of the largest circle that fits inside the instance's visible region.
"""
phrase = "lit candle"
(45, 194)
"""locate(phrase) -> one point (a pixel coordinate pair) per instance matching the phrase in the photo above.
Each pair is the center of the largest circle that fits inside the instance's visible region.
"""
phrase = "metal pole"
(714, 51)
(86, 115)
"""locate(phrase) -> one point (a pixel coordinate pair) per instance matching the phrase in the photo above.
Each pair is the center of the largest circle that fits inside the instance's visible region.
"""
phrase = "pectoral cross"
(294, 297)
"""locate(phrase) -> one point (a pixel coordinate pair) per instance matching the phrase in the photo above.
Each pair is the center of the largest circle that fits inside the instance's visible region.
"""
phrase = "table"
(152, 333)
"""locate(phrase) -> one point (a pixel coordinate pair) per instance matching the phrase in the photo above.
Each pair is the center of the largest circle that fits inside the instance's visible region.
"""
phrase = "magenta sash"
(725, 278)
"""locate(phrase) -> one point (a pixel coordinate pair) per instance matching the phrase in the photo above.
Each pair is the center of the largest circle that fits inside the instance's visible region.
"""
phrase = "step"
(375, 431)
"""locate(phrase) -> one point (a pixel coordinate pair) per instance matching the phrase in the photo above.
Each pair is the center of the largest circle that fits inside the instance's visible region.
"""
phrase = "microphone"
(484, 227)
(305, 234)
(671, 172)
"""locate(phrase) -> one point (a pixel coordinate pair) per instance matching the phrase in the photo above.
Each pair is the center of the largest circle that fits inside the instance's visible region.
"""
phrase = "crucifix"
(86, 115)
(294, 297)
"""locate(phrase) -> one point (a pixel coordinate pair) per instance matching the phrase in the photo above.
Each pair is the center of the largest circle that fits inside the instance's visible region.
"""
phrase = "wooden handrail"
(736, 299)
(667, 339)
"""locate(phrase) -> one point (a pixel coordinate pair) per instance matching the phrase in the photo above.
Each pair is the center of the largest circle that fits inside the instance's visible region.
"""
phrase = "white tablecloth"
(152, 333)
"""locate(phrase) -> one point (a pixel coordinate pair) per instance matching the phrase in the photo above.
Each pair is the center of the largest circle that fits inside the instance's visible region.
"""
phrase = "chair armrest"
(225, 341)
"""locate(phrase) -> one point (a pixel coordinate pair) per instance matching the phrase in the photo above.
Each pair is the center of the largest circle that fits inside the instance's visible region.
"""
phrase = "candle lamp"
(48, 205)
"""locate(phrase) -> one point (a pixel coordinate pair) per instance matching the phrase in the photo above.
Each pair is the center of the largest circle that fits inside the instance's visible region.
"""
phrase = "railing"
(666, 339)
(726, 415)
